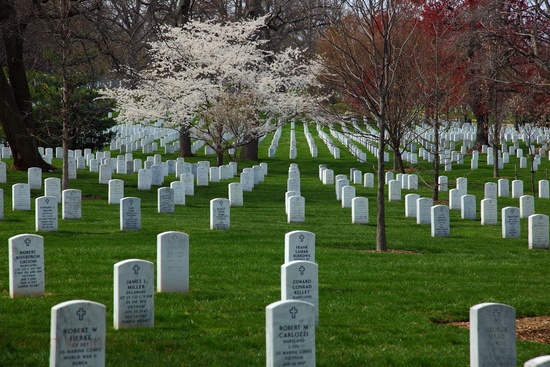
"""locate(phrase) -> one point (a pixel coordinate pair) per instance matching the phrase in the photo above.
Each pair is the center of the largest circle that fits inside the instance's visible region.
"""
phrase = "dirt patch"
(395, 252)
(91, 197)
(535, 329)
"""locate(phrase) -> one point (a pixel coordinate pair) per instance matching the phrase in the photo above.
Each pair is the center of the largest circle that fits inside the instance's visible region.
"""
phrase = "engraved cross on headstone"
(302, 238)
(136, 269)
(80, 313)
(293, 311)
(27, 241)
(302, 270)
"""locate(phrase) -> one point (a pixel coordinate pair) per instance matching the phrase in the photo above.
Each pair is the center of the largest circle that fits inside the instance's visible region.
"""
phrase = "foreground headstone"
(503, 187)
(510, 222)
(52, 187)
(21, 196)
(454, 199)
(179, 192)
(440, 221)
(300, 280)
(26, 265)
(290, 334)
(130, 214)
(235, 191)
(489, 212)
(116, 191)
(296, 209)
(360, 210)
(542, 361)
(165, 200)
(71, 204)
(538, 231)
(526, 206)
(492, 335)
(35, 178)
(77, 334)
(46, 216)
(220, 214)
(145, 177)
(173, 262)
(394, 190)
(300, 245)
(410, 205)
(424, 210)
(134, 303)
(544, 191)
(468, 207)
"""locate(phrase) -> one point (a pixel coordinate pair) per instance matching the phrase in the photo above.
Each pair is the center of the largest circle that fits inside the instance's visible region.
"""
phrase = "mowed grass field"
(376, 309)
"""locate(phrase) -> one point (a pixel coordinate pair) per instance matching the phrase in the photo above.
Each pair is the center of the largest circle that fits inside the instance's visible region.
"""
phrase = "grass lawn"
(376, 309)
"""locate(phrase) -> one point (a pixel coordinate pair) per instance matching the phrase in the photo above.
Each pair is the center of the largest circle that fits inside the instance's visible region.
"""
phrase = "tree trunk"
(482, 132)
(249, 152)
(15, 98)
(398, 161)
(185, 142)
(219, 158)
(435, 152)
(381, 244)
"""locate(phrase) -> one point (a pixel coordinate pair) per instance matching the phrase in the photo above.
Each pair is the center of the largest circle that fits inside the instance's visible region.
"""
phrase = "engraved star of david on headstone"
(80, 313)
(27, 241)
(302, 270)
(293, 311)
(136, 269)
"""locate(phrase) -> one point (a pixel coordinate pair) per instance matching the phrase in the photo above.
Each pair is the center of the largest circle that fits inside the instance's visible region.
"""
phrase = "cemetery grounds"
(398, 308)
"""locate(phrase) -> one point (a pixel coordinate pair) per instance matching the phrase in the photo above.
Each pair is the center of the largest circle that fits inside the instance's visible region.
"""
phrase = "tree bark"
(482, 131)
(381, 244)
(15, 98)
(185, 142)
(249, 152)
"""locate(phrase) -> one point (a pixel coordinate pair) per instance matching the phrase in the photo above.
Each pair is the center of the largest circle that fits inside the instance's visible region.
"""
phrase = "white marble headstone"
(360, 210)
(220, 214)
(489, 212)
(130, 214)
(165, 200)
(173, 262)
(116, 191)
(538, 231)
(77, 336)
(134, 290)
(424, 210)
(26, 265)
(510, 222)
(300, 280)
(440, 221)
(299, 245)
(492, 335)
(46, 216)
(290, 334)
(21, 196)
(71, 204)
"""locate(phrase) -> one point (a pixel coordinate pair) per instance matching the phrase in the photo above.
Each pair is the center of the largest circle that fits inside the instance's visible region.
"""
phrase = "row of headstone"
(291, 322)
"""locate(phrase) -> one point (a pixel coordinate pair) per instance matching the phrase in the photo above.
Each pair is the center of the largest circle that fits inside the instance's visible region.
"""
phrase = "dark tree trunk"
(381, 244)
(15, 99)
(185, 142)
(249, 152)
(482, 132)
(219, 158)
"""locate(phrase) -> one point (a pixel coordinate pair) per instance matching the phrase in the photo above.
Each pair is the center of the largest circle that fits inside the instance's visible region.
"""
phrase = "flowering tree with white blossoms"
(219, 83)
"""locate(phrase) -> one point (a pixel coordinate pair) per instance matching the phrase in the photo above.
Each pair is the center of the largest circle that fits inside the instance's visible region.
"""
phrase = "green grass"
(376, 309)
